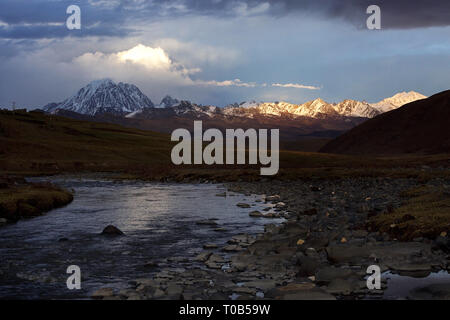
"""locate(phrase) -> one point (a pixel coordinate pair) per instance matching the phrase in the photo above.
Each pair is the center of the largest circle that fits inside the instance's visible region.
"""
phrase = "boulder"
(308, 266)
(310, 212)
(255, 214)
(442, 243)
(112, 231)
(328, 274)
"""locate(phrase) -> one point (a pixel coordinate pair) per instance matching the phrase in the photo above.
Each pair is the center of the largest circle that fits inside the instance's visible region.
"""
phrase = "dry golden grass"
(29, 200)
(37, 143)
(426, 213)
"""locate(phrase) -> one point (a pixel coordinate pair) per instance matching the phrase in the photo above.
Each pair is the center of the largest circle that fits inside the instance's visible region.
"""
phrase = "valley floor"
(323, 249)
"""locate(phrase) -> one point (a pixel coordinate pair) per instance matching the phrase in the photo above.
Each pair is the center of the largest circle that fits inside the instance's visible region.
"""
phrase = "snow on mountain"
(168, 102)
(317, 108)
(353, 108)
(104, 96)
(398, 100)
(187, 107)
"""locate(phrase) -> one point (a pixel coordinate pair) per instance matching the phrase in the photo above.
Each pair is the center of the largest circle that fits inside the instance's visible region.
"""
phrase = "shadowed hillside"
(421, 127)
(35, 142)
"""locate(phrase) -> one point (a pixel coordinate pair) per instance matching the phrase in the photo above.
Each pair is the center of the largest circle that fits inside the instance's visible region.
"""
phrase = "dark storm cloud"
(26, 19)
(22, 19)
(399, 14)
(49, 32)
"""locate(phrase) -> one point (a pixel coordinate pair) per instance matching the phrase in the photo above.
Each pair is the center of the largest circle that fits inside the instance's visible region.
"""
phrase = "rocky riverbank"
(20, 199)
(322, 251)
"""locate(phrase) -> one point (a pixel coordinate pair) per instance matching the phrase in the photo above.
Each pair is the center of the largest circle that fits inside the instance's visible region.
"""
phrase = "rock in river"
(255, 214)
(112, 231)
(209, 222)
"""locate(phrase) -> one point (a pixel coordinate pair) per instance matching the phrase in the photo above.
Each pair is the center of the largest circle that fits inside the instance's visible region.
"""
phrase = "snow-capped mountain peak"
(398, 100)
(168, 102)
(353, 108)
(104, 96)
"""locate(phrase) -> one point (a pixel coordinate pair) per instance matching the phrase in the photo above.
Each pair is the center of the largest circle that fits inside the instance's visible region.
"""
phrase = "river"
(159, 222)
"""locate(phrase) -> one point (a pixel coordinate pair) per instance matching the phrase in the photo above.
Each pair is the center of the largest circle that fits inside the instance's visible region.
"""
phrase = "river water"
(159, 222)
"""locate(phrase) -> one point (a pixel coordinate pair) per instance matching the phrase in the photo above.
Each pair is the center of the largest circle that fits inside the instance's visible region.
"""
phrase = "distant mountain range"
(420, 127)
(125, 104)
(105, 96)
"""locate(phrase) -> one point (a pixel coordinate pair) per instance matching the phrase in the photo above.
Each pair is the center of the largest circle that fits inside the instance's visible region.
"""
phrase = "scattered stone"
(271, 215)
(280, 205)
(310, 212)
(328, 274)
(255, 214)
(210, 246)
(307, 266)
(442, 243)
(264, 285)
(151, 264)
(174, 291)
(232, 248)
(359, 233)
(103, 293)
(342, 286)
(243, 205)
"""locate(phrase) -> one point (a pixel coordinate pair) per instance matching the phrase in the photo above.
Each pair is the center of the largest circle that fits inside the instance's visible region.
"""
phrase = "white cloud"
(147, 56)
(295, 86)
(143, 61)
(228, 83)
(194, 53)
(106, 4)
(242, 9)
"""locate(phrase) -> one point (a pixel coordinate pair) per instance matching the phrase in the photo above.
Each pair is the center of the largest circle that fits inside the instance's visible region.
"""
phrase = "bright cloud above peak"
(156, 63)
(139, 61)
(147, 56)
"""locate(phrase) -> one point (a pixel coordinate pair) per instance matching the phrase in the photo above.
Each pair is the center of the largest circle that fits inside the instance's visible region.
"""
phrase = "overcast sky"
(224, 51)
